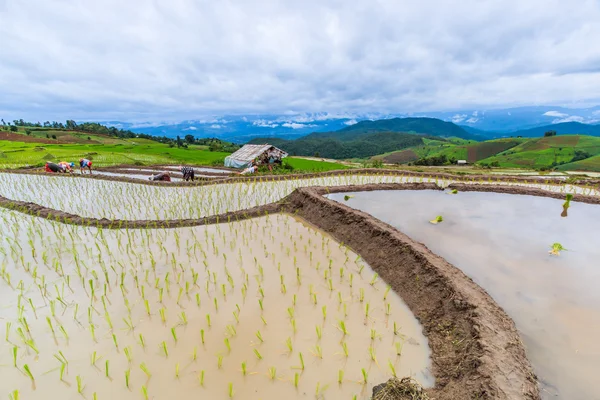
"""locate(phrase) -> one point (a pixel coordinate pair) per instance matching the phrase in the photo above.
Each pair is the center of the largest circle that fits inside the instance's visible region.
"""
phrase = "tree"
(71, 125)
(179, 141)
(28, 132)
(13, 128)
(190, 139)
(550, 133)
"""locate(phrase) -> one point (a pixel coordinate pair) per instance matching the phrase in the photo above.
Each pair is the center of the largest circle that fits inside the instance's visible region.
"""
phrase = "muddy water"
(55, 266)
(502, 242)
(106, 199)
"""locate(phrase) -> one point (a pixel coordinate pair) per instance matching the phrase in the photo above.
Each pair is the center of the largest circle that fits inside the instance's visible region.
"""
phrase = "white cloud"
(475, 113)
(146, 61)
(555, 114)
(295, 125)
(572, 118)
(216, 126)
(265, 124)
(458, 118)
(472, 120)
(350, 122)
(191, 128)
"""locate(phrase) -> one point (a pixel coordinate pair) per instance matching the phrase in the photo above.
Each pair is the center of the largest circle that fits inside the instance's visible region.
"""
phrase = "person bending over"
(66, 167)
(85, 163)
(52, 167)
(163, 177)
(188, 173)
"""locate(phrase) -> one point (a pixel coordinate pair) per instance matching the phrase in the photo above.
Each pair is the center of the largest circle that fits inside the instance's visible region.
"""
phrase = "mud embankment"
(476, 350)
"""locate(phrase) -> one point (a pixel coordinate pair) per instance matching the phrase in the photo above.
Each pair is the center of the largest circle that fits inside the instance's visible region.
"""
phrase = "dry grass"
(401, 389)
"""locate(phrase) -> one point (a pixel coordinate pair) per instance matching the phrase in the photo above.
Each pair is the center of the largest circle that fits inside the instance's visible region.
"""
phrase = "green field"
(547, 152)
(108, 151)
(556, 151)
(305, 165)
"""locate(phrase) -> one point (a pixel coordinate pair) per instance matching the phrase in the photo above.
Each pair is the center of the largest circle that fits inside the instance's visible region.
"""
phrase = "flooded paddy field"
(502, 242)
(122, 200)
(263, 308)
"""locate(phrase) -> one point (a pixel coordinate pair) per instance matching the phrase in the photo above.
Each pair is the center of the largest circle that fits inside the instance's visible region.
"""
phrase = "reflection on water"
(502, 242)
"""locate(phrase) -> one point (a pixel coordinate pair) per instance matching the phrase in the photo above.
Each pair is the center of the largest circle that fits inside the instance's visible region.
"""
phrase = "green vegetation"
(329, 147)
(566, 152)
(306, 165)
(140, 152)
(424, 126)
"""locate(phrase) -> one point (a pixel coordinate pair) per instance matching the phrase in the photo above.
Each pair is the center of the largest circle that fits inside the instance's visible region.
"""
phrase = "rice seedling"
(437, 220)
(219, 361)
(227, 345)
(145, 370)
(399, 346)
(556, 248)
(145, 392)
(80, 386)
(106, 369)
(231, 390)
(28, 373)
(127, 375)
(257, 354)
(365, 376)
(163, 346)
(296, 379)
(392, 368)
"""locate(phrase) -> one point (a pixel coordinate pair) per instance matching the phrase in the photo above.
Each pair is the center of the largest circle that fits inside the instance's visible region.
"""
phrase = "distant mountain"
(486, 122)
(423, 126)
(363, 146)
(565, 128)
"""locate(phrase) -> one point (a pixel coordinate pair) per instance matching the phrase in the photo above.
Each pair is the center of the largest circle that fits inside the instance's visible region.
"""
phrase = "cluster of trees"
(442, 159)
(362, 147)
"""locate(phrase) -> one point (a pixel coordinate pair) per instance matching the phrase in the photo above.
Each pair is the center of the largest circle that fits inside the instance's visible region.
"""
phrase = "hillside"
(549, 152)
(565, 128)
(423, 126)
(33, 146)
(567, 152)
(365, 145)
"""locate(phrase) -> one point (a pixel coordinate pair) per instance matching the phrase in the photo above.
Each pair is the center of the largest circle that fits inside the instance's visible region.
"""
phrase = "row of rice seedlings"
(97, 287)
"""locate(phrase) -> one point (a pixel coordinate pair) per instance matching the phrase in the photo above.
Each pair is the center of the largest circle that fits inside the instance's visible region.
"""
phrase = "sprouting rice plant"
(556, 248)
(437, 220)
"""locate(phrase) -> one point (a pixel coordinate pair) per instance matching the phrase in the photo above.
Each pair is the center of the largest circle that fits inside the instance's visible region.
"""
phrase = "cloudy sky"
(178, 59)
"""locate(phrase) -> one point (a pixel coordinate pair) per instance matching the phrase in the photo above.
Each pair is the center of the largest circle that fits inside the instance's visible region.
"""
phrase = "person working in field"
(66, 167)
(251, 169)
(163, 177)
(51, 167)
(187, 172)
(85, 163)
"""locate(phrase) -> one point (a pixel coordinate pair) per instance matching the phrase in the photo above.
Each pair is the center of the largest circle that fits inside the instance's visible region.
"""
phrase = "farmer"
(251, 169)
(163, 176)
(51, 167)
(85, 163)
(66, 167)
(188, 173)
(271, 156)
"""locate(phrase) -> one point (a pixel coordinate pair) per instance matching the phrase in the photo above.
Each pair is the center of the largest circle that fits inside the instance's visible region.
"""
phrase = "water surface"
(502, 242)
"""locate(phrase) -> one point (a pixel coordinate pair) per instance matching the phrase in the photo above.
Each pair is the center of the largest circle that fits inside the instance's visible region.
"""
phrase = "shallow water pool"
(502, 241)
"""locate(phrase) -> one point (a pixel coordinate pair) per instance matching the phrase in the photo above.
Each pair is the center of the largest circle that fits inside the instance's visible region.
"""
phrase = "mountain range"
(482, 123)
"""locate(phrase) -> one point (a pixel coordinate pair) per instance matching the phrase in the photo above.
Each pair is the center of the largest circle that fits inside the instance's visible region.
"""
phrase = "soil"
(15, 137)
(476, 349)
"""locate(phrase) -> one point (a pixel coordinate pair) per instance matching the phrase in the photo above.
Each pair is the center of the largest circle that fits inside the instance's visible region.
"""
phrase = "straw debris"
(400, 389)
